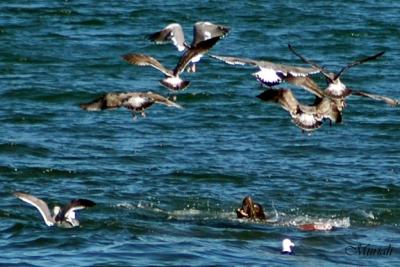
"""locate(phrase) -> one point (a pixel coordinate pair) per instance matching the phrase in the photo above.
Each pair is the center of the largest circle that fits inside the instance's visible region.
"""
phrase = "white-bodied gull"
(172, 80)
(202, 31)
(62, 216)
(271, 74)
(287, 246)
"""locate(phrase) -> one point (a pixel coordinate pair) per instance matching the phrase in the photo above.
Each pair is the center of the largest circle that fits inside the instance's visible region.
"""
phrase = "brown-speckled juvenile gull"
(307, 118)
(336, 88)
(136, 102)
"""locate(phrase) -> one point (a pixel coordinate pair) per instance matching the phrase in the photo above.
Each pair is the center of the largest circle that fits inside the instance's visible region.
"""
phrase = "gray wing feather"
(38, 204)
(161, 100)
(144, 60)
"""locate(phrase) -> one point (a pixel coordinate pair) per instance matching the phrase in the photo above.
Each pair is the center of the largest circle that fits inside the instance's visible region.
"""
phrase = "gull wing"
(68, 211)
(106, 101)
(39, 204)
(387, 100)
(204, 30)
(192, 52)
(144, 60)
(357, 62)
(306, 83)
(288, 71)
(328, 75)
(172, 33)
(161, 100)
(284, 97)
(235, 60)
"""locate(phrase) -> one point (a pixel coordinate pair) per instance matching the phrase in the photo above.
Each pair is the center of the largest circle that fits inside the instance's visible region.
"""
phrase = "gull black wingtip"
(97, 104)
(16, 194)
(84, 202)
(291, 48)
(269, 95)
(380, 54)
(126, 57)
(152, 37)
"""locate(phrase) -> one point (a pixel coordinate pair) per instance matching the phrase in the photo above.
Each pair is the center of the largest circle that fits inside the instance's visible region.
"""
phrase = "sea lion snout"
(250, 210)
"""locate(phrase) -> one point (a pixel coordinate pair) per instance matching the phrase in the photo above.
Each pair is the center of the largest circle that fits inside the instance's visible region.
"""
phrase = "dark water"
(166, 185)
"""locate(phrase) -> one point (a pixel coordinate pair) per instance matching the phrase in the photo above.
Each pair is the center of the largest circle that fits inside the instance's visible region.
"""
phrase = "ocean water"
(166, 186)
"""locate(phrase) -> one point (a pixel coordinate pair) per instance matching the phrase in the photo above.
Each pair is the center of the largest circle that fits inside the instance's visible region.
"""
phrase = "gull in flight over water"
(202, 31)
(136, 102)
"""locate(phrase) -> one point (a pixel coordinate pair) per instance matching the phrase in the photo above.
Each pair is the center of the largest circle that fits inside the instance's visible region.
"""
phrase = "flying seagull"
(136, 102)
(336, 88)
(307, 118)
(62, 216)
(271, 74)
(202, 31)
(172, 80)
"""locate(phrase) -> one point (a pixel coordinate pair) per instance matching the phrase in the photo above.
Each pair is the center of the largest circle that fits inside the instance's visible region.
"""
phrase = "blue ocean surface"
(167, 185)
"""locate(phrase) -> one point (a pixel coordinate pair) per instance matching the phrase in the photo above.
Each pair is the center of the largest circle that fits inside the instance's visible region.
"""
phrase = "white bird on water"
(287, 246)
(62, 216)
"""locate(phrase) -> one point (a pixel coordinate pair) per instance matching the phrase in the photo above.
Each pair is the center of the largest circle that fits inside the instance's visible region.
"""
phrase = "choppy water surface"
(166, 186)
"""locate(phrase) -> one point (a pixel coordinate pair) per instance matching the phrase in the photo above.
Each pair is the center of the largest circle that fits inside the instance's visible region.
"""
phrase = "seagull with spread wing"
(306, 117)
(202, 31)
(336, 89)
(172, 80)
(62, 216)
(136, 102)
(271, 74)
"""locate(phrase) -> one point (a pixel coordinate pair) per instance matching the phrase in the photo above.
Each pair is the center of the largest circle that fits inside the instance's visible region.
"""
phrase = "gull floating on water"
(62, 216)
(202, 31)
(287, 246)
(307, 118)
(136, 102)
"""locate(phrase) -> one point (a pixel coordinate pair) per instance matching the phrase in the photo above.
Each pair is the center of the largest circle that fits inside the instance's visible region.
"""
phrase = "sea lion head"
(250, 210)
